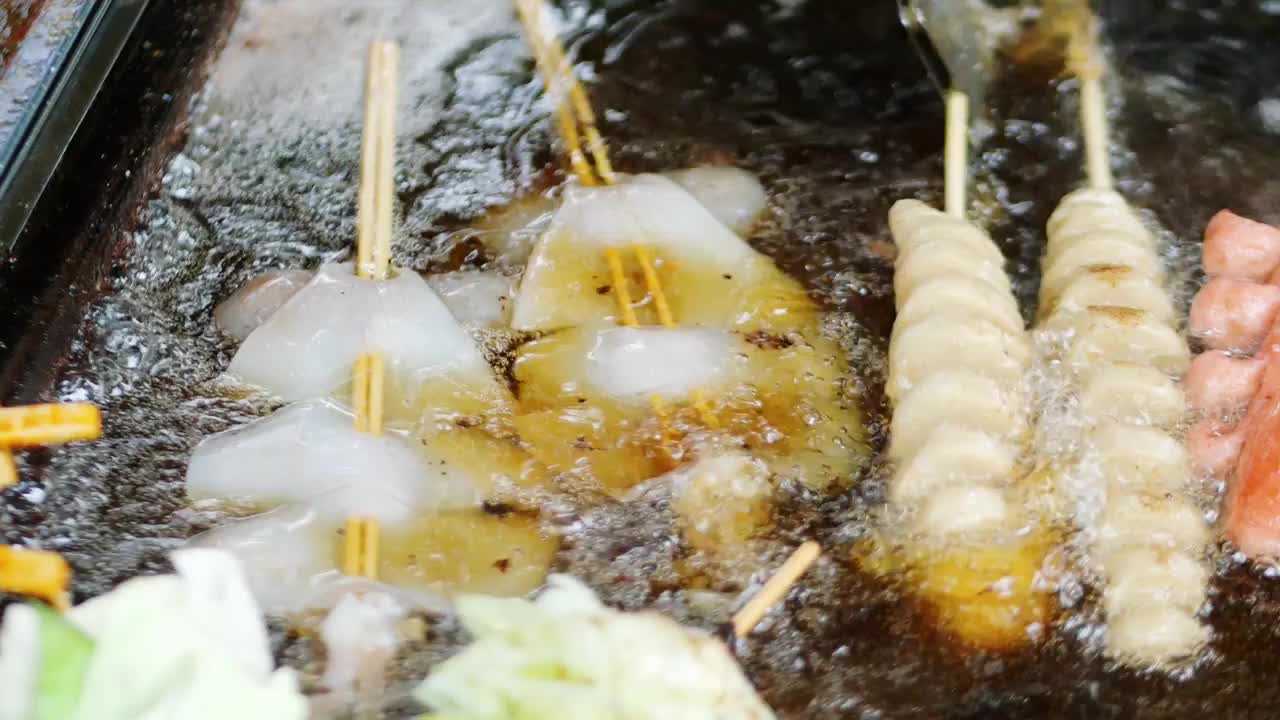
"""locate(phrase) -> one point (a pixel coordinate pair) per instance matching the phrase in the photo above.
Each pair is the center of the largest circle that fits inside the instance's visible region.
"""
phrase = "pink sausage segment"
(1240, 248)
(1217, 383)
(1253, 503)
(1214, 447)
(1233, 314)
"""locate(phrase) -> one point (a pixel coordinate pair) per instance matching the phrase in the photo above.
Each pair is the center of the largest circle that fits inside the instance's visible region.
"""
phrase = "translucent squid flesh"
(608, 243)
(306, 349)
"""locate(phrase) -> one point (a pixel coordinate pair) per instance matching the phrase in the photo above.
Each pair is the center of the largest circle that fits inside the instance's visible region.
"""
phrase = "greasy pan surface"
(825, 101)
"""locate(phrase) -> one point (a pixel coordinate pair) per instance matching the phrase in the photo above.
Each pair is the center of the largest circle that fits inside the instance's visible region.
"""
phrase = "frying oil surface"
(829, 108)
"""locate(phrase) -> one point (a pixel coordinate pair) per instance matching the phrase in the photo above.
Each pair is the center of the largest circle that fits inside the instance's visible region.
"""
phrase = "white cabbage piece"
(307, 348)
(310, 452)
(190, 646)
(568, 657)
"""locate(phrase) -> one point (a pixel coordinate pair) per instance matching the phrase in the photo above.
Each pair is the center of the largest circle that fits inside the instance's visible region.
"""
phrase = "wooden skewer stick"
(36, 425)
(620, 290)
(361, 537)
(373, 261)
(1096, 143)
(654, 285)
(377, 164)
(1083, 60)
(746, 619)
(573, 107)
(367, 391)
(567, 123)
(956, 153)
(384, 200)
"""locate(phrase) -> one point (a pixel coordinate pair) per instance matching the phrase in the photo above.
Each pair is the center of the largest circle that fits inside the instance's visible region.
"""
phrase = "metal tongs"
(953, 39)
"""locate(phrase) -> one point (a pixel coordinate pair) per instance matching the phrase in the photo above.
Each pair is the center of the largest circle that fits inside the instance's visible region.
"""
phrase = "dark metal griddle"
(825, 100)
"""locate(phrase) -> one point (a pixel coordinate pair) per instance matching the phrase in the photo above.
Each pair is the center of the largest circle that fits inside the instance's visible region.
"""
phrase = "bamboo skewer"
(571, 100)
(384, 201)
(776, 589)
(375, 203)
(620, 290)
(1084, 62)
(377, 164)
(956, 153)
(8, 469)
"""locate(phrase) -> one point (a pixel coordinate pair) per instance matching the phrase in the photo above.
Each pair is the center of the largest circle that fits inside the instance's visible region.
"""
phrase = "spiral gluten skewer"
(958, 358)
(1102, 292)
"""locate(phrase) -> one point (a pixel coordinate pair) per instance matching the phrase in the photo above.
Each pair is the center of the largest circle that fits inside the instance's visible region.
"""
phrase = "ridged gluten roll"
(1103, 294)
(957, 360)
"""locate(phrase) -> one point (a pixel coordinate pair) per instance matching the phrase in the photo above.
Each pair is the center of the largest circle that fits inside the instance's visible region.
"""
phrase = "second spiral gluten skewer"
(958, 362)
(1103, 295)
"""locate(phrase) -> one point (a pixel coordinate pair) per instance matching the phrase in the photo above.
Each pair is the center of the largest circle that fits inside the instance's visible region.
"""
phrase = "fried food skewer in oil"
(958, 360)
(1103, 295)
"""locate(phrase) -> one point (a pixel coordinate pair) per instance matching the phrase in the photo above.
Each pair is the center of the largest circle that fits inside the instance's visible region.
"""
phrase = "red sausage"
(1233, 314)
(1217, 383)
(1214, 447)
(1253, 503)
(1240, 248)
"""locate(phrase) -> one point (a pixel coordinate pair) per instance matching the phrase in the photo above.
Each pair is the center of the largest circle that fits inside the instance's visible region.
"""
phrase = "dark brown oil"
(825, 101)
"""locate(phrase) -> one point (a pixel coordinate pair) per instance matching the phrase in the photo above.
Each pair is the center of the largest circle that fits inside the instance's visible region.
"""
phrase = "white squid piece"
(635, 364)
(710, 276)
(259, 299)
(310, 452)
(620, 405)
(476, 298)
(734, 196)
(308, 347)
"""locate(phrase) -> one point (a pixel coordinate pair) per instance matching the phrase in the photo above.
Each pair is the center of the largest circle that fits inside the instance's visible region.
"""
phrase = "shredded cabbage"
(568, 657)
(190, 646)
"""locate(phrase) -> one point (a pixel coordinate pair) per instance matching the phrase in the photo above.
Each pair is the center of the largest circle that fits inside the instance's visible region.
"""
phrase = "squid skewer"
(719, 496)
(1102, 291)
